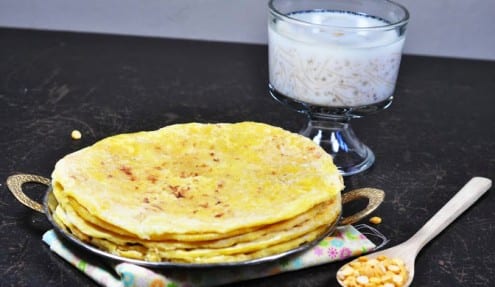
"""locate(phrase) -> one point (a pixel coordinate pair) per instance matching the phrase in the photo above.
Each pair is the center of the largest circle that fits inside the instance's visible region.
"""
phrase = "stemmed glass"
(336, 60)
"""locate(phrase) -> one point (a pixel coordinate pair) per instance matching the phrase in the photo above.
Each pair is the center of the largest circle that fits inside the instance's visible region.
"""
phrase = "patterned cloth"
(347, 241)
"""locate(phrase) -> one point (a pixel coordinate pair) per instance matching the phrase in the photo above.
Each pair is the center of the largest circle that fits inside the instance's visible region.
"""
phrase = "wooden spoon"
(408, 250)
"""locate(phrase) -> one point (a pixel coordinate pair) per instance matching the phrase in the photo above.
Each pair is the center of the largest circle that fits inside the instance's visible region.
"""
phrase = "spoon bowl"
(408, 250)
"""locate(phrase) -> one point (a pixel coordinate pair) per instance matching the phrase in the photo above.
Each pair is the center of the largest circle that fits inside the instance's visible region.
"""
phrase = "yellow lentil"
(379, 271)
(376, 220)
(76, 135)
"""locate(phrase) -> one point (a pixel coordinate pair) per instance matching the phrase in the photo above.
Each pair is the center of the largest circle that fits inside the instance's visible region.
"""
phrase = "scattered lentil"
(376, 220)
(76, 135)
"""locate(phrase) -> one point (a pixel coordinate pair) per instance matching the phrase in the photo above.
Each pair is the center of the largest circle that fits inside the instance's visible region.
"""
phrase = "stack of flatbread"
(198, 193)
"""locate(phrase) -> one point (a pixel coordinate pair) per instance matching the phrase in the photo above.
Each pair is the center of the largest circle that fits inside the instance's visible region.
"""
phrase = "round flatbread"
(198, 193)
(198, 178)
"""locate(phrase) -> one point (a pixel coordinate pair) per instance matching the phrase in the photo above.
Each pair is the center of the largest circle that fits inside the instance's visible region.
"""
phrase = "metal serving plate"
(15, 182)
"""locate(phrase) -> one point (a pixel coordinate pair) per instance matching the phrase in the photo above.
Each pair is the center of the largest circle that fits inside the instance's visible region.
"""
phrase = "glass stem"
(336, 137)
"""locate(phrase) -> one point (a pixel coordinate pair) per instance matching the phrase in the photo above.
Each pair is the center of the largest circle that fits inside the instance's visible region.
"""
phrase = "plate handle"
(15, 182)
(375, 198)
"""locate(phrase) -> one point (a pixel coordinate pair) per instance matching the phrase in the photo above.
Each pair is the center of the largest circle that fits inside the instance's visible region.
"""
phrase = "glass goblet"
(336, 60)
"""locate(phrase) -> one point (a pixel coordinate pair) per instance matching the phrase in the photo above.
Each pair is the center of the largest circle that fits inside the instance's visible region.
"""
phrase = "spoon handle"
(461, 201)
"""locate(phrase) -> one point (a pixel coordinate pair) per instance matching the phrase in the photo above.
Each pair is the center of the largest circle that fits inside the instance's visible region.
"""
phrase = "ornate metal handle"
(15, 182)
(375, 198)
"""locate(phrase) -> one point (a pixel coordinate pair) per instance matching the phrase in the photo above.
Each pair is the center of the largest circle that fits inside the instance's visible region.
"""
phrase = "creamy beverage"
(332, 64)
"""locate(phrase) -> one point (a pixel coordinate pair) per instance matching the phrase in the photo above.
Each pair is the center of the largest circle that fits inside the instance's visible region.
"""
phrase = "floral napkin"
(347, 241)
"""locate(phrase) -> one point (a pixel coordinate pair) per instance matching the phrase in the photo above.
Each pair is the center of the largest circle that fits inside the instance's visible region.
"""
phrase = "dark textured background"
(439, 132)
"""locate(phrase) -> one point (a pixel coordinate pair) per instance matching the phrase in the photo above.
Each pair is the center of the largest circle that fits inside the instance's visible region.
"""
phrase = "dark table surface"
(439, 132)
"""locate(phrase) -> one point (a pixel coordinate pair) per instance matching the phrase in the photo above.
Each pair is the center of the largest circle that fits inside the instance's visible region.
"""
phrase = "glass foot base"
(349, 154)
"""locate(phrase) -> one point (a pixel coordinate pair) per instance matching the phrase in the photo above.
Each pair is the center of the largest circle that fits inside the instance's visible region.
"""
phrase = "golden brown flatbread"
(198, 192)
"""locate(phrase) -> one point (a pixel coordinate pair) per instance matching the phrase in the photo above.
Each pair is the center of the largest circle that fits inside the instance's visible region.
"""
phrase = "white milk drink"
(330, 65)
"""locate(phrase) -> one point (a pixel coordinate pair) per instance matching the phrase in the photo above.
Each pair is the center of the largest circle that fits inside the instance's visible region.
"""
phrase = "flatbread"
(320, 215)
(198, 178)
(268, 237)
(198, 192)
